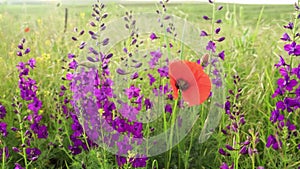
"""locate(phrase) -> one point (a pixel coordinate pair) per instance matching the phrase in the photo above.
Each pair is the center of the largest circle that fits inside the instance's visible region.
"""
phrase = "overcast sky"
(141, 1)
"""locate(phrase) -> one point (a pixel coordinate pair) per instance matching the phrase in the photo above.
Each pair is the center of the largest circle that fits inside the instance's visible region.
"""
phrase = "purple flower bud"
(221, 39)
(15, 149)
(92, 24)
(219, 21)
(75, 29)
(228, 147)
(167, 17)
(217, 30)
(74, 38)
(203, 33)
(23, 40)
(243, 150)
(223, 152)
(91, 33)
(220, 7)
(104, 16)
(81, 33)
(210, 1)
(206, 17)
(105, 41)
(19, 53)
(20, 46)
(121, 71)
(27, 50)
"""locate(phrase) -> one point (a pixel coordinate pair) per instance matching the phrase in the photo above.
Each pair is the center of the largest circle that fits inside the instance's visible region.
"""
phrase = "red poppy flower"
(27, 29)
(190, 78)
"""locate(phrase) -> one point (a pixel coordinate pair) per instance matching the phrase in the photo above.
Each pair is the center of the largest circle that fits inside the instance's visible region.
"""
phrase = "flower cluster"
(284, 116)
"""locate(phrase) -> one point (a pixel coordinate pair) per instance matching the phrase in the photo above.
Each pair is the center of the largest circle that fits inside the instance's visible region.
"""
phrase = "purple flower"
(156, 55)
(35, 105)
(73, 64)
(134, 75)
(168, 108)
(132, 91)
(5, 151)
(225, 166)
(3, 129)
(292, 49)
(280, 63)
(153, 36)
(285, 37)
(151, 79)
(33, 153)
(31, 63)
(2, 111)
(276, 116)
(163, 71)
(220, 7)
(271, 141)
(222, 55)
(296, 71)
(286, 83)
(148, 104)
(211, 46)
(289, 26)
(18, 166)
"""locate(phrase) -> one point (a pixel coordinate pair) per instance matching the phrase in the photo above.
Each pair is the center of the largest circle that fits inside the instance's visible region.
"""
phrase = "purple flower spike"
(285, 37)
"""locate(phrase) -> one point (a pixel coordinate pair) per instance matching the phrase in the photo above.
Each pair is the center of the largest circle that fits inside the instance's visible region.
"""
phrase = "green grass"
(252, 47)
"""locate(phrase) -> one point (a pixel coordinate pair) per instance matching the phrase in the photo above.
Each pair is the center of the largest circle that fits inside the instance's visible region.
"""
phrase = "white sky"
(141, 1)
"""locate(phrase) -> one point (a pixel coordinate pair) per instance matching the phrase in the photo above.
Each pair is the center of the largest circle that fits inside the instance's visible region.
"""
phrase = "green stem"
(22, 140)
(171, 133)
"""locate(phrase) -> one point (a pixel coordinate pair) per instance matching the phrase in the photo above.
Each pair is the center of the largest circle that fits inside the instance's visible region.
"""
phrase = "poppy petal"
(199, 84)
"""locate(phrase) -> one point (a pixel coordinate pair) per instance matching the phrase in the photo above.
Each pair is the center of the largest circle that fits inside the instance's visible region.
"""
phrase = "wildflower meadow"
(163, 85)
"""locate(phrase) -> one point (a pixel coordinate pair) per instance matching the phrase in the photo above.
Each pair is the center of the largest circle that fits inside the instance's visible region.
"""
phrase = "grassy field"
(252, 47)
